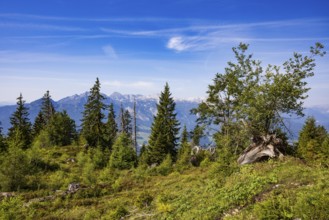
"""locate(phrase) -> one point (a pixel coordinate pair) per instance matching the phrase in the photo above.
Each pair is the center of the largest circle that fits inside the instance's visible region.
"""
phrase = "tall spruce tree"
(184, 136)
(310, 140)
(183, 141)
(164, 130)
(125, 121)
(61, 129)
(45, 114)
(39, 124)
(135, 126)
(92, 121)
(184, 151)
(197, 135)
(111, 128)
(20, 132)
(47, 108)
(3, 145)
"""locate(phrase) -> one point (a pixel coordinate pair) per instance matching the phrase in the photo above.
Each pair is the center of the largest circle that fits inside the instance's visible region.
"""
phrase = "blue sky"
(137, 46)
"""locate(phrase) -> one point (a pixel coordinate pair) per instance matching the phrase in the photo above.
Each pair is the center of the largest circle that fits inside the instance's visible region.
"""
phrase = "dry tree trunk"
(263, 147)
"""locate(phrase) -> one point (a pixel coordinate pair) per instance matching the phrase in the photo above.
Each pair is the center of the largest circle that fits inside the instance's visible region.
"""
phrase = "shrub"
(13, 170)
(12, 208)
(166, 166)
(144, 200)
(123, 155)
(310, 141)
(42, 140)
(88, 172)
(118, 213)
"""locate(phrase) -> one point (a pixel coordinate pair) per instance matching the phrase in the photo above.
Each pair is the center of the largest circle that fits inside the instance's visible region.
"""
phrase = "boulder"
(73, 187)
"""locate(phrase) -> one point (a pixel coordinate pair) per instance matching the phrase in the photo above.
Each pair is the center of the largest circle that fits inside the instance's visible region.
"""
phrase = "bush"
(58, 180)
(12, 209)
(88, 172)
(144, 200)
(310, 142)
(166, 166)
(118, 213)
(13, 170)
(123, 154)
(100, 157)
(42, 140)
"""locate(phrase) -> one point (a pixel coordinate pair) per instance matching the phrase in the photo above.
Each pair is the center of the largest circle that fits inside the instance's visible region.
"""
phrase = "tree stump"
(262, 148)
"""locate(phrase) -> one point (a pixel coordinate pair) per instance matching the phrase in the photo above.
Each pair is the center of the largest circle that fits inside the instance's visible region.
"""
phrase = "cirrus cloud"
(177, 44)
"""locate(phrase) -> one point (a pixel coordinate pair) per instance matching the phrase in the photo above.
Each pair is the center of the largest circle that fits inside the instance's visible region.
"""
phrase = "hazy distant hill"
(146, 109)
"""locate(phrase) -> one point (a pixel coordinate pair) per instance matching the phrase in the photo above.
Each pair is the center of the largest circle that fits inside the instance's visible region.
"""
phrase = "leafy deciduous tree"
(247, 98)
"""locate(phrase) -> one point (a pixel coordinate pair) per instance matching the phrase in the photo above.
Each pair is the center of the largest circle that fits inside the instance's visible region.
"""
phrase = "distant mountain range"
(146, 109)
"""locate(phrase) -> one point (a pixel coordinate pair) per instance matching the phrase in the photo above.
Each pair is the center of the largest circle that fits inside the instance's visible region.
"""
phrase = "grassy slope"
(284, 189)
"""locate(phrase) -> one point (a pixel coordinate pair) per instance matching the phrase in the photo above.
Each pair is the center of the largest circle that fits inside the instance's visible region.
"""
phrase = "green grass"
(277, 189)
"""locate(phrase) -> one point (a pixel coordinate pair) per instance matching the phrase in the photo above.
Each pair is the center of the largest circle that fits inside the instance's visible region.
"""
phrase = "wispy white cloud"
(183, 43)
(178, 44)
(205, 37)
(212, 28)
(89, 19)
(13, 57)
(22, 25)
(109, 51)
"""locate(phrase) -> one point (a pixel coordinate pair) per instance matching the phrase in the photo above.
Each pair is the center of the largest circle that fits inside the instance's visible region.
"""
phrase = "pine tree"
(39, 124)
(45, 114)
(184, 136)
(123, 154)
(47, 108)
(20, 131)
(61, 129)
(196, 135)
(324, 153)
(3, 145)
(111, 128)
(164, 130)
(184, 152)
(135, 126)
(310, 139)
(125, 121)
(92, 121)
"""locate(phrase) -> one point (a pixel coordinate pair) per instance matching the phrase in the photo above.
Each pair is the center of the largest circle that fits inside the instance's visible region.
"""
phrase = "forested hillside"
(49, 169)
